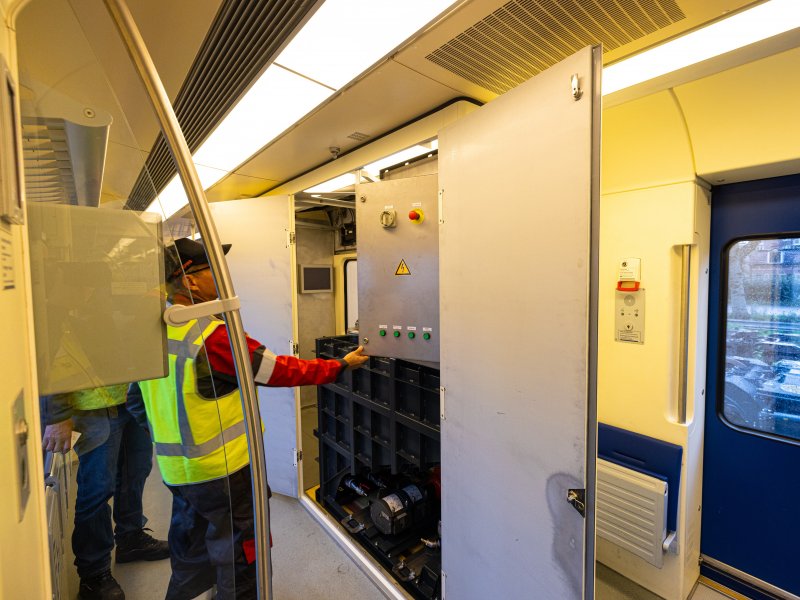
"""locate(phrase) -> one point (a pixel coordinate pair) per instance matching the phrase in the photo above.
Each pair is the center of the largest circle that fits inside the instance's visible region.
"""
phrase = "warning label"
(629, 336)
(402, 268)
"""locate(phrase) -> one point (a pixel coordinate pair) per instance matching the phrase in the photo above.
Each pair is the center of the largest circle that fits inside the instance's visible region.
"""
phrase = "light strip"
(277, 100)
(337, 183)
(739, 30)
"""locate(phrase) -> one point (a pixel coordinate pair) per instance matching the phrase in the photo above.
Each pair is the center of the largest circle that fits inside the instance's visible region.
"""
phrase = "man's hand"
(356, 358)
(58, 437)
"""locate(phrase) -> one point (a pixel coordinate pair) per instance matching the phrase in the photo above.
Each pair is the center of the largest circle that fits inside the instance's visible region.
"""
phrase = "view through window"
(762, 352)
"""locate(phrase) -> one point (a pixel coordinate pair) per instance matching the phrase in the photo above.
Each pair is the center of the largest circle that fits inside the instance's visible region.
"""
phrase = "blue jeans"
(115, 457)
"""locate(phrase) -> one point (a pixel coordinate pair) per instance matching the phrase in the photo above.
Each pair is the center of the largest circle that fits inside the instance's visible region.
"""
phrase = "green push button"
(426, 336)
(396, 333)
(411, 335)
(382, 333)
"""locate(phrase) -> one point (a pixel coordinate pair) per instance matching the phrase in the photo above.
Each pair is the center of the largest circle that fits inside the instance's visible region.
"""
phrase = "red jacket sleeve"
(269, 369)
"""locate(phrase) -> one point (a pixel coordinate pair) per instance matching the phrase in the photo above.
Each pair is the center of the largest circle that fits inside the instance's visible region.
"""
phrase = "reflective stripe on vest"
(196, 439)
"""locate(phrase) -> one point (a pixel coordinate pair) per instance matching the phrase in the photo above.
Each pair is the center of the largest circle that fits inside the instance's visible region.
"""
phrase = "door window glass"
(762, 352)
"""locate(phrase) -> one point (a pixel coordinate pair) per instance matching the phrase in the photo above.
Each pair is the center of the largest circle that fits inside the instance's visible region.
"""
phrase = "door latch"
(577, 92)
(577, 497)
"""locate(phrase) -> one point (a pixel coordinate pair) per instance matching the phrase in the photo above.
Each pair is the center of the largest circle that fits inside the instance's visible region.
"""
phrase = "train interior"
(579, 292)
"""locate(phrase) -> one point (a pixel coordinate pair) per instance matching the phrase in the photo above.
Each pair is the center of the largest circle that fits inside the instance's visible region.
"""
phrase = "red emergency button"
(416, 216)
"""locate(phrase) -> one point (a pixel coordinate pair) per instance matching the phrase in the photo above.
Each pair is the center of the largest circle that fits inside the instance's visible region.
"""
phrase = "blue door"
(751, 486)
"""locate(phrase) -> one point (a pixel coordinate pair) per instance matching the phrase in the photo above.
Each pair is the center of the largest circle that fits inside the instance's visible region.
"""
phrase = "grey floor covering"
(308, 565)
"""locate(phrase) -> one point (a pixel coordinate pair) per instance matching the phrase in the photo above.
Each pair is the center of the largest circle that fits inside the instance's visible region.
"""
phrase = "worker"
(115, 457)
(197, 424)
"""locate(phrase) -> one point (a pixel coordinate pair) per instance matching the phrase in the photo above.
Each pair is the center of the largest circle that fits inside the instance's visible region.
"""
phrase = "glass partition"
(97, 296)
(127, 400)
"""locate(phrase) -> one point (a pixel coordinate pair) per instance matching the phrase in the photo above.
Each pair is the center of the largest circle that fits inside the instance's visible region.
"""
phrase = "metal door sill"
(382, 580)
(743, 577)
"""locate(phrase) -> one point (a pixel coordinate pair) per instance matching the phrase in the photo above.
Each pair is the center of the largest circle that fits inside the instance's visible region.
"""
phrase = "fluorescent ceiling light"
(345, 37)
(275, 102)
(334, 184)
(171, 199)
(739, 30)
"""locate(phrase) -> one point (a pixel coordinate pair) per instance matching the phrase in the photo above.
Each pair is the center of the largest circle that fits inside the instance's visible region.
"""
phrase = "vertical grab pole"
(137, 50)
(683, 359)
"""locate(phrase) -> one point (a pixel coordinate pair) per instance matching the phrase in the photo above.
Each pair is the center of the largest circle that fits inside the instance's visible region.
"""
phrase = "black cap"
(184, 255)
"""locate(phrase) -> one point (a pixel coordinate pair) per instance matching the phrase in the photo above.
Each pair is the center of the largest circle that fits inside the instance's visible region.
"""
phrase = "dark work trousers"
(115, 457)
(210, 523)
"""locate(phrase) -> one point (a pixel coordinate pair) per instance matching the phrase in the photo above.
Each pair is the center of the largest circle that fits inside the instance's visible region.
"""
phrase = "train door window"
(762, 340)
(351, 295)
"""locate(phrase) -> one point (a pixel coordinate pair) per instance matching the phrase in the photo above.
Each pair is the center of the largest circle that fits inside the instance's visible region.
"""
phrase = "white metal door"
(260, 263)
(519, 181)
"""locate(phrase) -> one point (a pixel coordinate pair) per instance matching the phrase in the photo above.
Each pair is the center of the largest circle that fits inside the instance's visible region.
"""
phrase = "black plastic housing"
(382, 418)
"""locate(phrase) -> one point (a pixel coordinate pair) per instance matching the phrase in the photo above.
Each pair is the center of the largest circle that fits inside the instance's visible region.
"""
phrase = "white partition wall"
(261, 262)
(519, 181)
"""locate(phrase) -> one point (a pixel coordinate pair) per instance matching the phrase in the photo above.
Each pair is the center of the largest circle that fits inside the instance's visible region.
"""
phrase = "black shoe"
(141, 546)
(101, 587)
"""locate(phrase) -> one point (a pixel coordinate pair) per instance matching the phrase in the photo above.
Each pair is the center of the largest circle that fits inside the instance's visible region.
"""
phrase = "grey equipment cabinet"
(398, 255)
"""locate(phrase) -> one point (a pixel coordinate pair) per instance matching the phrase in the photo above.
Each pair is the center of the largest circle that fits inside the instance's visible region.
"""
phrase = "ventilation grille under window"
(525, 37)
(242, 40)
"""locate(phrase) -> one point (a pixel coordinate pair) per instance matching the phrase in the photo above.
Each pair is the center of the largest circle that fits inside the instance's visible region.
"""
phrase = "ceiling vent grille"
(525, 37)
(244, 37)
(358, 136)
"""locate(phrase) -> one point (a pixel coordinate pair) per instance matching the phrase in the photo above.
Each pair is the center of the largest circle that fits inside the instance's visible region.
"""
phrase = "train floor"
(307, 563)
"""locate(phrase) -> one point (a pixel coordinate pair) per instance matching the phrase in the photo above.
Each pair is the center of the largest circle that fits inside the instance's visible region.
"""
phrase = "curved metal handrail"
(140, 56)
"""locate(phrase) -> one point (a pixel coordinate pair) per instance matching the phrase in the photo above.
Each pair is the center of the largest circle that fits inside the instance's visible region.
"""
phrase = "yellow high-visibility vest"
(102, 397)
(196, 439)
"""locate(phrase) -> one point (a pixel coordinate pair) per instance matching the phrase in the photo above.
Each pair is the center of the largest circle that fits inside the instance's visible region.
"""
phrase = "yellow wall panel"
(745, 117)
(24, 570)
(645, 144)
(638, 384)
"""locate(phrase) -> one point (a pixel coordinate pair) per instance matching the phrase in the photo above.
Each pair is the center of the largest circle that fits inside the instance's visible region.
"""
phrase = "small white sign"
(427, 329)
(383, 327)
(630, 269)
(410, 328)
(416, 205)
(397, 327)
(388, 207)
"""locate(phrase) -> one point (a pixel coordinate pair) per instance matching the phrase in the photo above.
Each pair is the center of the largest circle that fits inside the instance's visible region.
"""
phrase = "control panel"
(398, 267)
(629, 321)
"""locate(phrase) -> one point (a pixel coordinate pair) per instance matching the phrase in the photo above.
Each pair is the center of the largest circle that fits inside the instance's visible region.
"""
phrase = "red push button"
(414, 215)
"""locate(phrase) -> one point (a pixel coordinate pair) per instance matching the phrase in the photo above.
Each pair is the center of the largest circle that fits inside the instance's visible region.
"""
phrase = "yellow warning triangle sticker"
(402, 268)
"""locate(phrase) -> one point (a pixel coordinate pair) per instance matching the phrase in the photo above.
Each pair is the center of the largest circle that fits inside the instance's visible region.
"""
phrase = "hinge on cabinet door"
(295, 348)
(298, 456)
(291, 238)
(441, 207)
(577, 497)
(441, 403)
(444, 580)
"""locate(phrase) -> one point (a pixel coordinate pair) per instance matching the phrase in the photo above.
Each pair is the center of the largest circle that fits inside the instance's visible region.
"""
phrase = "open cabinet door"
(261, 265)
(519, 184)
